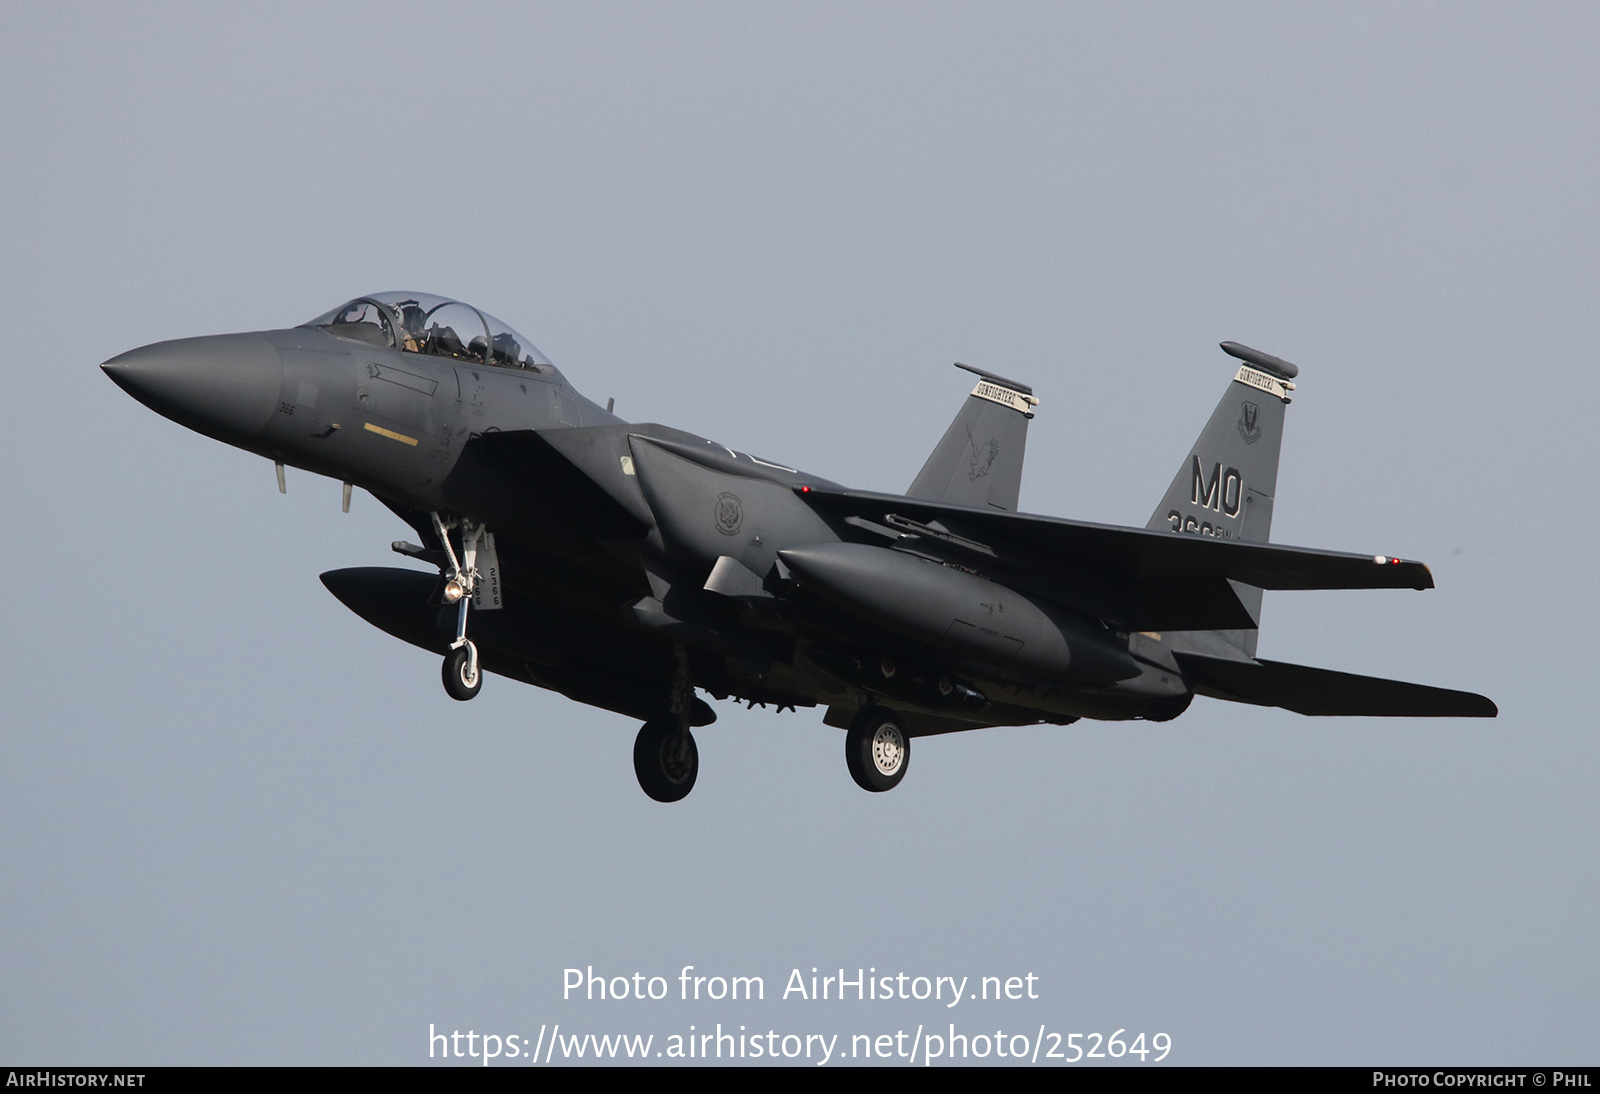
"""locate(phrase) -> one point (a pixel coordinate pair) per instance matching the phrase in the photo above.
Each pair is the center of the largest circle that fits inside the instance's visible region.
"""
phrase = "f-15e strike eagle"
(627, 565)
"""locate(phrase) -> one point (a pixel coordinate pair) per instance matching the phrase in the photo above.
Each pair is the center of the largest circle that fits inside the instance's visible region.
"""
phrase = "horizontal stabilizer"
(1325, 692)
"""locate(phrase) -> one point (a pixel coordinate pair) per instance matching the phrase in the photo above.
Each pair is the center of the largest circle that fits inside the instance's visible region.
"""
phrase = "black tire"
(665, 760)
(877, 750)
(457, 682)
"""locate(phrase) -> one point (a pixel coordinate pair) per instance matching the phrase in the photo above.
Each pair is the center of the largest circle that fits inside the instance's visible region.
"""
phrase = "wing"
(1143, 580)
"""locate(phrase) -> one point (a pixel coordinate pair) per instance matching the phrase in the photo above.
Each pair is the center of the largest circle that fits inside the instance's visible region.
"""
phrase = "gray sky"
(239, 825)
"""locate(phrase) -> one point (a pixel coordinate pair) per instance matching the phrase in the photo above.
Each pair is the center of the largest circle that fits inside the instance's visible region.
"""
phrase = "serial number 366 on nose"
(629, 565)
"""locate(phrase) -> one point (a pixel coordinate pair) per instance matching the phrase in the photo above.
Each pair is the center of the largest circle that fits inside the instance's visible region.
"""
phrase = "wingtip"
(1469, 704)
(1421, 577)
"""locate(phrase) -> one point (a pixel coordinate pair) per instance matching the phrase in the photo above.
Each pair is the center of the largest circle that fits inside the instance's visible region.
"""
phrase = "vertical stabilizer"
(1226, 485)
(978, 461)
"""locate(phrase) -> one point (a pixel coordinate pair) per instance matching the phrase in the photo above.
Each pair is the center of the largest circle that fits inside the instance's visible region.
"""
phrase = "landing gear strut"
(877, 750)
(463, 679)
(664, 754)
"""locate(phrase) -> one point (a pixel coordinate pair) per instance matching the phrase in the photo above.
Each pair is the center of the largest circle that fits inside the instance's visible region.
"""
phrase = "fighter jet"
(629, 566)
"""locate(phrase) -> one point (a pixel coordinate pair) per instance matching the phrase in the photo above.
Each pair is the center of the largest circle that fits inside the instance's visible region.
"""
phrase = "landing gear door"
(486, 592)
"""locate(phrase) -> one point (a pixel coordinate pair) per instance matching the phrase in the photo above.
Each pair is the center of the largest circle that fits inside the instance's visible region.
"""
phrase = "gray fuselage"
(418, 431)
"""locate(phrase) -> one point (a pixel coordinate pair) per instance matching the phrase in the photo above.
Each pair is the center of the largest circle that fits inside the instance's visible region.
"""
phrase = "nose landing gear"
(462, 677)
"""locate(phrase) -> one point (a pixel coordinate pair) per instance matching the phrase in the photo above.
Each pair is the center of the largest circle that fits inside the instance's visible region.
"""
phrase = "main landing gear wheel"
(463, 678)
(877, 750)
(666, 760)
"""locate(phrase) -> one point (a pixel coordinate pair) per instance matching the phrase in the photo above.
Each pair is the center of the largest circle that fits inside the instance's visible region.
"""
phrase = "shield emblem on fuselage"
(729, 514)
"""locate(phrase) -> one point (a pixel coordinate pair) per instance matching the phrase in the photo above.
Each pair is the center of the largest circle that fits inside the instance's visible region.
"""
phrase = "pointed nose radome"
(225, 386)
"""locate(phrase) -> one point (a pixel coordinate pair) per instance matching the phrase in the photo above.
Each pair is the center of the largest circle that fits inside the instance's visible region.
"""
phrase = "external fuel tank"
(977, 620)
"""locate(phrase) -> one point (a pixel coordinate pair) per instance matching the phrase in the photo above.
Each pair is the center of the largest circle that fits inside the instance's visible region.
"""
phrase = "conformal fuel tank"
(969, 616)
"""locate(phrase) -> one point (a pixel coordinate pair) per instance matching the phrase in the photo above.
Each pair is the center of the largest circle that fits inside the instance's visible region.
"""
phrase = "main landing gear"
(664, 754)
(666, 760)
(877, 750)
(463, 678)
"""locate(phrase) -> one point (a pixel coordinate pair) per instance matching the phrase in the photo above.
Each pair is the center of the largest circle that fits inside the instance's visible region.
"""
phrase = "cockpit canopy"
(415, 322)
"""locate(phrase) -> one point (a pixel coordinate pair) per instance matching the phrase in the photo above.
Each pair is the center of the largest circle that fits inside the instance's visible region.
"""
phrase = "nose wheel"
(666, 760)
(462, 677)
